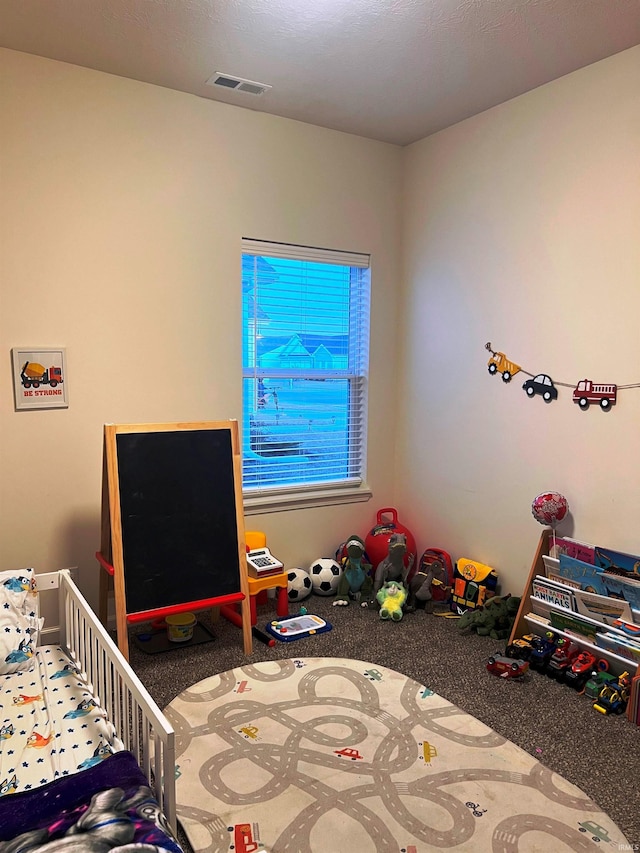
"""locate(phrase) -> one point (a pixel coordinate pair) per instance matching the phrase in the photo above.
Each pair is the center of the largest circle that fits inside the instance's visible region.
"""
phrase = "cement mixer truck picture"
(34, 375)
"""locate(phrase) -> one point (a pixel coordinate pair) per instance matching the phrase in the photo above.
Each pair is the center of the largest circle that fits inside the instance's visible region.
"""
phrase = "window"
(305, 351)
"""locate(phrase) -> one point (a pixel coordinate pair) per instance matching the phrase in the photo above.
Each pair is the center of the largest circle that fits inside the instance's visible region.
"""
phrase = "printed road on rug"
(329, 755)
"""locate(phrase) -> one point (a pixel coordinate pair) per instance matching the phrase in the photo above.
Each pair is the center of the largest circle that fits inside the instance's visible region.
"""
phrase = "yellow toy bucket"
(180, 627)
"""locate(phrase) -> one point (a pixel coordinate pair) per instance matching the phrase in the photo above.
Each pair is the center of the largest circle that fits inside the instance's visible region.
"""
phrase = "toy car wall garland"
(585, 392)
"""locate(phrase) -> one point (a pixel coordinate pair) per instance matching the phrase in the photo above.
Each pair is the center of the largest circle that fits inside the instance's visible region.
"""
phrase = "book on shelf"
(631, 629)
(583, 576)
(618, 586)
(619, 645)
(553, 593)
(588, 576)
(552, 571)
(617, 561)
(602, 608)
(573, 624)
(538, 617)
(572, 548)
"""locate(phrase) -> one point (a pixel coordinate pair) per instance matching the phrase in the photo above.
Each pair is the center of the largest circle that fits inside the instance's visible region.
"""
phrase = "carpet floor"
(549, 721)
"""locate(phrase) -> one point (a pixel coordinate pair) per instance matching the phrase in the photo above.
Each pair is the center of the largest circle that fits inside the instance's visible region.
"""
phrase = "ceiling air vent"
(237, 84)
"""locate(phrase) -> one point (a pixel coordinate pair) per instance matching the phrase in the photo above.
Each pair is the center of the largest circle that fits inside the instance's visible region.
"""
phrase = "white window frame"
(300, 495)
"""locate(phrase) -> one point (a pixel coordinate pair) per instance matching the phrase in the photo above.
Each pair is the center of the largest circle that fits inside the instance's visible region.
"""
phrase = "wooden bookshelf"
(525, 623)
(520, 625)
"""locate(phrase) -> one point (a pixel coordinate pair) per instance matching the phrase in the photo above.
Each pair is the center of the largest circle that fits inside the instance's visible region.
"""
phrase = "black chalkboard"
(178, 517)
(172, 526)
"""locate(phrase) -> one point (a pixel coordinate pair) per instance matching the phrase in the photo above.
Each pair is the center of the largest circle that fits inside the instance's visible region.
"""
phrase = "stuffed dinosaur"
(391, 596)
(494, 619)
(422, 583)
(355, 580)
(392, 568)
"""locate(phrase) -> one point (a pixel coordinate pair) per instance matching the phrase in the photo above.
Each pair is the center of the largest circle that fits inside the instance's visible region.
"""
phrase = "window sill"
(304, 499)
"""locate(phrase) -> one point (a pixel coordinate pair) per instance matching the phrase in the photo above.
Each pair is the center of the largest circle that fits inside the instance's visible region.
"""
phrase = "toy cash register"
(262, 561)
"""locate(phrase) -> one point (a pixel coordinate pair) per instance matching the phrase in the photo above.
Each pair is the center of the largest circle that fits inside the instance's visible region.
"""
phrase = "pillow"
(19, 622)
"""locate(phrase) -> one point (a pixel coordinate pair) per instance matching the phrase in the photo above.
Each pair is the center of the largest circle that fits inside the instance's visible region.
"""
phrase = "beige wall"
(121, 214)
(522, 227)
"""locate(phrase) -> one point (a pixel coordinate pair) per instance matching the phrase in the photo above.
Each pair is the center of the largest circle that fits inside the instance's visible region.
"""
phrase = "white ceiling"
(392, 70)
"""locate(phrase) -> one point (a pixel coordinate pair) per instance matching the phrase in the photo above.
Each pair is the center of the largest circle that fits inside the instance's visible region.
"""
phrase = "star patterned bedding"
(66, 781)
(50, 724)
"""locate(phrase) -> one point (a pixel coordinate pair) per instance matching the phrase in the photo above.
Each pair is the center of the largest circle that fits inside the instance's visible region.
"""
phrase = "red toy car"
(579, 671)
(507, 667)
(565, 654)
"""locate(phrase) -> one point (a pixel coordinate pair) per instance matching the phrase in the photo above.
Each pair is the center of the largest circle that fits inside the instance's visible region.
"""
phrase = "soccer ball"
(298, 584)
(325, 574)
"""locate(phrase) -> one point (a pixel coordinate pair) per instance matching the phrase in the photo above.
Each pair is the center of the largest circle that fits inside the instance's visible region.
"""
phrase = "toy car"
(578, 673)
(597, 681)
(614, 696)
(520, 648)
(565, 653)
(506, 667)
(541, 650)
(541, 384)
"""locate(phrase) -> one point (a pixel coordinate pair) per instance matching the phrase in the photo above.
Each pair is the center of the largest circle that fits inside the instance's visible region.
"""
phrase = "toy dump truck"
(500, 363)
(34, 374)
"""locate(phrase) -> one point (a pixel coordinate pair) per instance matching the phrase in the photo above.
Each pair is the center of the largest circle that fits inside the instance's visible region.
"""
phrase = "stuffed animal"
(391, 597)
(423, 582)
(355, 580)
(494, 619)
(392, 568)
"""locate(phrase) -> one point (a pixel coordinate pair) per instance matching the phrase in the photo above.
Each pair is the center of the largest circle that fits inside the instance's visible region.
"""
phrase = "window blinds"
(305, 361)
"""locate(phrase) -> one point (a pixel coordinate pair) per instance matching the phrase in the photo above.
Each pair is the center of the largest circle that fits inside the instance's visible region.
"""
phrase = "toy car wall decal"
(543, 385)
(587, 392)
(499, 363)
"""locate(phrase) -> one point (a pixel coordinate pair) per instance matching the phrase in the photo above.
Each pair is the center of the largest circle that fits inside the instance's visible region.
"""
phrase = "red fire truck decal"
(587, 392)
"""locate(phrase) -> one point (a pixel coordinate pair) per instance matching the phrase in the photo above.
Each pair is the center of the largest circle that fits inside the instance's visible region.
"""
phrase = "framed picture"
(40, 378)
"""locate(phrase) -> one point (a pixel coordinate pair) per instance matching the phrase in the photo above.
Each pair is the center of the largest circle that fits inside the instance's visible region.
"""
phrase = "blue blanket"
(107, 806)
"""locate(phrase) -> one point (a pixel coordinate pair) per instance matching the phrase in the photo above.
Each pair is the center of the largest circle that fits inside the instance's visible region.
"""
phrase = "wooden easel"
(129, 507)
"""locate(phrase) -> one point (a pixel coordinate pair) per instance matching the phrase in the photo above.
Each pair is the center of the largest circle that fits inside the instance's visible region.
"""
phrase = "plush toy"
(392, 568)
(494, 619)
(423, 582)
(355, 580)
(391, 597)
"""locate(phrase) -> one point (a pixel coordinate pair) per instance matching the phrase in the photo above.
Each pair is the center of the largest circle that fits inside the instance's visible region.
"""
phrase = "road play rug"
(329, 755)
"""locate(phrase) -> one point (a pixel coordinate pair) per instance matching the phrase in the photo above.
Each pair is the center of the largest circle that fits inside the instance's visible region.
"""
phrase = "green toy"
(355, 581)
(494, 619)
(391, 597)
(392, 568)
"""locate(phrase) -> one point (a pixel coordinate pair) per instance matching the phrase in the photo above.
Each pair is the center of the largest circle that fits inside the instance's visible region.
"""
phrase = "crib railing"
(138, 721)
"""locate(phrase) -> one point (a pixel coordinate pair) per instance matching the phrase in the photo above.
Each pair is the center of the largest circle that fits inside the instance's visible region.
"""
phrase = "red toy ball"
(549, 508)
(376, 542)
